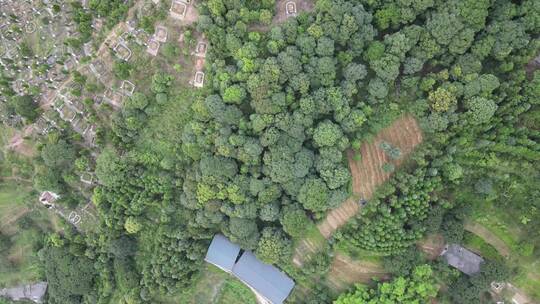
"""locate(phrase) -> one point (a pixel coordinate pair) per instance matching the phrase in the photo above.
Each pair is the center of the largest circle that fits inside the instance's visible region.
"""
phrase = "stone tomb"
(122, 51)
(161, 34)
(127, 88)
(198, 81)
(113, 97)
(290, 8)
(200, 50)
(152, 47)
(178, 9)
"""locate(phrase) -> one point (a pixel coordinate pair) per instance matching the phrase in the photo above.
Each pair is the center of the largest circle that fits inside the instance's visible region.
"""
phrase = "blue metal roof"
(266, 279)
(222, 253)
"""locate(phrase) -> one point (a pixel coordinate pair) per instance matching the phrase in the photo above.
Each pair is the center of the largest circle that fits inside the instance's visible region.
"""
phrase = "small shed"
(47, 198)
(222, 253)
(463, 259)
(266, 280)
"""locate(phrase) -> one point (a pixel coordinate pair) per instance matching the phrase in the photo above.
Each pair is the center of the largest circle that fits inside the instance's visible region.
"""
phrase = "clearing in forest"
(345, 272)
(368, 172)
(489, 237)
(18, 144)
(291, 8)
(432, 245)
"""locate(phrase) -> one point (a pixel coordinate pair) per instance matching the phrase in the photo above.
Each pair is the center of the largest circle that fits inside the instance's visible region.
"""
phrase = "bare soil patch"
(368, 173)
(489, 237)
(345, 272)
(338, 217)
(532, 66)
(18, 144)
(432, 245)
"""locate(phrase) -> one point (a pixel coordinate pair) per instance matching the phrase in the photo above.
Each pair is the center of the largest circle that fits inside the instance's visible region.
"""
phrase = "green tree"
(294, 221)
(327, 134)
(24, 106)
(313, 195)
(417, 288)
(274, 246)
(442, 100)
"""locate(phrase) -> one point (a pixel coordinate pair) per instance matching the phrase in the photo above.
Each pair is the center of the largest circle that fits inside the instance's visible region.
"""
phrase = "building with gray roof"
(269, 283)
(462, 259)
(266, 280)
(222, 253)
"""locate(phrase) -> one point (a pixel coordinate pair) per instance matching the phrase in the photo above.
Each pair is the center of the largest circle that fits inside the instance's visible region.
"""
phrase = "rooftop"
(462, 259)
(222, 253)
(265, 280)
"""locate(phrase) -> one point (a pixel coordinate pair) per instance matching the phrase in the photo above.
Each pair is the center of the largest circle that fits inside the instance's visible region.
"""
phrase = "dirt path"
(345, 272)
(338, 217)
(489, 237)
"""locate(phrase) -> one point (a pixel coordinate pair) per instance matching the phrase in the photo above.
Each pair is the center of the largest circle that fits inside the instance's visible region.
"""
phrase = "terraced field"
(368, 173)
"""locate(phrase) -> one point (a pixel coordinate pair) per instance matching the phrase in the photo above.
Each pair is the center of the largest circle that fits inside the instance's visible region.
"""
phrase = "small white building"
(47, 198)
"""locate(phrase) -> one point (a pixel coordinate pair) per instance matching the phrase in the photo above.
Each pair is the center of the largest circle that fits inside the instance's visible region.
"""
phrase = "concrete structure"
(152, 47)
(127, 88)
(198, 81)
(161, 34)
(33, 292)
(47, 198)
(290, 9)
(178, 9)
(269, 284)
(122, 51)
(462, 259)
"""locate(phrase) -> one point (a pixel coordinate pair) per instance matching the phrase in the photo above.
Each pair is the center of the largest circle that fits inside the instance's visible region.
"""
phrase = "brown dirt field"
(338, 217)
(368, 174)
(432, 245)
(345, 272)
(489, 237)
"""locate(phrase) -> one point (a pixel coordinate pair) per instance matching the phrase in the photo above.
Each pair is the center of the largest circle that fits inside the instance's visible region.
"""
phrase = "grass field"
(506, 226)
(24, 225)
(13, 205)
(214, 286)
(480, 246)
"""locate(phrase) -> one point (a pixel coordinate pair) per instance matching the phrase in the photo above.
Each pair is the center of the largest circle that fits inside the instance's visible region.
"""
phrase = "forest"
(260, 153)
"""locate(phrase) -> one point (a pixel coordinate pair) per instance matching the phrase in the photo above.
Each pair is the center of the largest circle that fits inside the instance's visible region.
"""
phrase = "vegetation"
(259, 154)
(416, 289)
